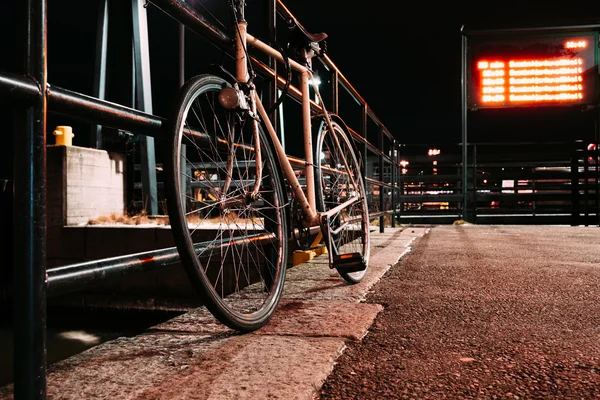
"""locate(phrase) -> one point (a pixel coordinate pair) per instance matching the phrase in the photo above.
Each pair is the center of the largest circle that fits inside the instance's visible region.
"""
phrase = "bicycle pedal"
(349, 262)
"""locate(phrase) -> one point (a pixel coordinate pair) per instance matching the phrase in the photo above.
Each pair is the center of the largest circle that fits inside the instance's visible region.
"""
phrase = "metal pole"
(596, 156)
(474, 195)
(334, 91)
(575, 186)
(181, 44)
(363, 133)
(100, 67)
(271, 91)
(29, 221)
(183, 183)
(144, 103)
(381, 187)
(586, 188)
(394, 181)
(463, 102)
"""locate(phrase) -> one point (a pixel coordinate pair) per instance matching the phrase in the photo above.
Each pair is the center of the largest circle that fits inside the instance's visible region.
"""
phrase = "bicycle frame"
(307, 201)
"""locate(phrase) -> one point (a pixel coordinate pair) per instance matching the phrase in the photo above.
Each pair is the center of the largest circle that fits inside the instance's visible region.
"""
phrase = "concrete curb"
(194, 357)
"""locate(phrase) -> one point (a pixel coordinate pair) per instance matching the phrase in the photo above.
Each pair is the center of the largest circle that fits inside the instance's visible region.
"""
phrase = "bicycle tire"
(332, 178)
(239, 272)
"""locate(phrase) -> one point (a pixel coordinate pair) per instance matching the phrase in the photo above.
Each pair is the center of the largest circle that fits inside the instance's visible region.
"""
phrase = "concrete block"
(84, 183)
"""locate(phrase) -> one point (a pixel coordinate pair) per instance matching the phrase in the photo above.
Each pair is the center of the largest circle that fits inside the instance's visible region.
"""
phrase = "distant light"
(576, 44)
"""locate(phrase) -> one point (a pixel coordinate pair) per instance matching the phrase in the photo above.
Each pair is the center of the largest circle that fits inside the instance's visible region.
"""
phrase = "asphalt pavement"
(482, 312)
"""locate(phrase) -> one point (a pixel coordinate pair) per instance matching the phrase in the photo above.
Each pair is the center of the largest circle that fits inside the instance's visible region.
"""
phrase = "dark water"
(72, 331)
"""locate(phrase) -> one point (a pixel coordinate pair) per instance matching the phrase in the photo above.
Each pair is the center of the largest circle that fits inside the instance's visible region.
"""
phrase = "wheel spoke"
(340, 181)
(239, 272)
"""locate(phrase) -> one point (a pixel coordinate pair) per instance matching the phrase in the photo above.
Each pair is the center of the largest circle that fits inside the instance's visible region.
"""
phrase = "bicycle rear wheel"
(233, 249)
(337, 169)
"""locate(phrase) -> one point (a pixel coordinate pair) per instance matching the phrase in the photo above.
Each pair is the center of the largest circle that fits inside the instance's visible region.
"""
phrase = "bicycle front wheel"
(233, 248)
(339, 178)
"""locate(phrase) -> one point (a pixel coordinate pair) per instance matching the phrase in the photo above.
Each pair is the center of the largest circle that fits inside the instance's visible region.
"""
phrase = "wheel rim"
(335, 188)
(240, 268)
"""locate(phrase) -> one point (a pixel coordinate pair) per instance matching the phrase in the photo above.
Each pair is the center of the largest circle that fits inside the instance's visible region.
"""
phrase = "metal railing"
(35, 98)
(525, 182)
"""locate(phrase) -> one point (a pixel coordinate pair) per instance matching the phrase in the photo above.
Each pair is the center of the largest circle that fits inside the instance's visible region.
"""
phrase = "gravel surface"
(482, 312)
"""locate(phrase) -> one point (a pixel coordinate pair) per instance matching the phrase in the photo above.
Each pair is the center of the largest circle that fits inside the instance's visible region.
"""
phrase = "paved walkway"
(194, 357)
(482, 312)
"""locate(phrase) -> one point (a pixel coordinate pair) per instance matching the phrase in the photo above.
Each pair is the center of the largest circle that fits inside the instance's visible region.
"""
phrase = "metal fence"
(34, 98)
(513, 182)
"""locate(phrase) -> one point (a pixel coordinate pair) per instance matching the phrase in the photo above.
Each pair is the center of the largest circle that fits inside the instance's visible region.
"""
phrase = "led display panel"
(532, 70)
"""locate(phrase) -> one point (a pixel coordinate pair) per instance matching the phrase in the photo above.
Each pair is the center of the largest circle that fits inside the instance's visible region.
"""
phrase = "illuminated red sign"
(533, 71)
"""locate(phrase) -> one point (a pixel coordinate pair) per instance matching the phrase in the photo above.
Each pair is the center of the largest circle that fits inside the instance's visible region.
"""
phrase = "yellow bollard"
(64, 135)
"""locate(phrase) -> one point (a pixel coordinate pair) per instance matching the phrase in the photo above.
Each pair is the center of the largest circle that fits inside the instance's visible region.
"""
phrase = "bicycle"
(220, 127)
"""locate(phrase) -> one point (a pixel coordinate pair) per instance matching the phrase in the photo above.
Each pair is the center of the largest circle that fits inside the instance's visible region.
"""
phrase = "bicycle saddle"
(295, 26)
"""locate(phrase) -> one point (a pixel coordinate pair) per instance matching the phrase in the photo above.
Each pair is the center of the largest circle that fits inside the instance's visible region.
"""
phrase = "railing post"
(29, 220)
(335, 82)
(596, 155)
(395, 184)
(183, 183)
(363, 148)
(270, 95)
(381, 187)
(575, 207)
(586, 189)
(473, 218)
(464, 125)
(100, 67)
(143, 100)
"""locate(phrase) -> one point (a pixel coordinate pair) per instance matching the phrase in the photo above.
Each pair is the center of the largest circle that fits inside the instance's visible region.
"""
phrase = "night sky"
(404, 59)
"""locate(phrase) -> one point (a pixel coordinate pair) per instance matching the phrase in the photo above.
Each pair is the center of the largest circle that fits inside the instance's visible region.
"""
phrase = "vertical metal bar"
(394, 180)
(335, 82)
(281, 122)
(596, 161)
(29, 221)
(99, 90)
(533, 189)
(181, 48)
(586, 190)
(144, 102)
(183, 183)
(363, 132)
(381, 187)
(463, 102)
(271, 92)
(474, 195)
(575, 187)
(132, 158)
